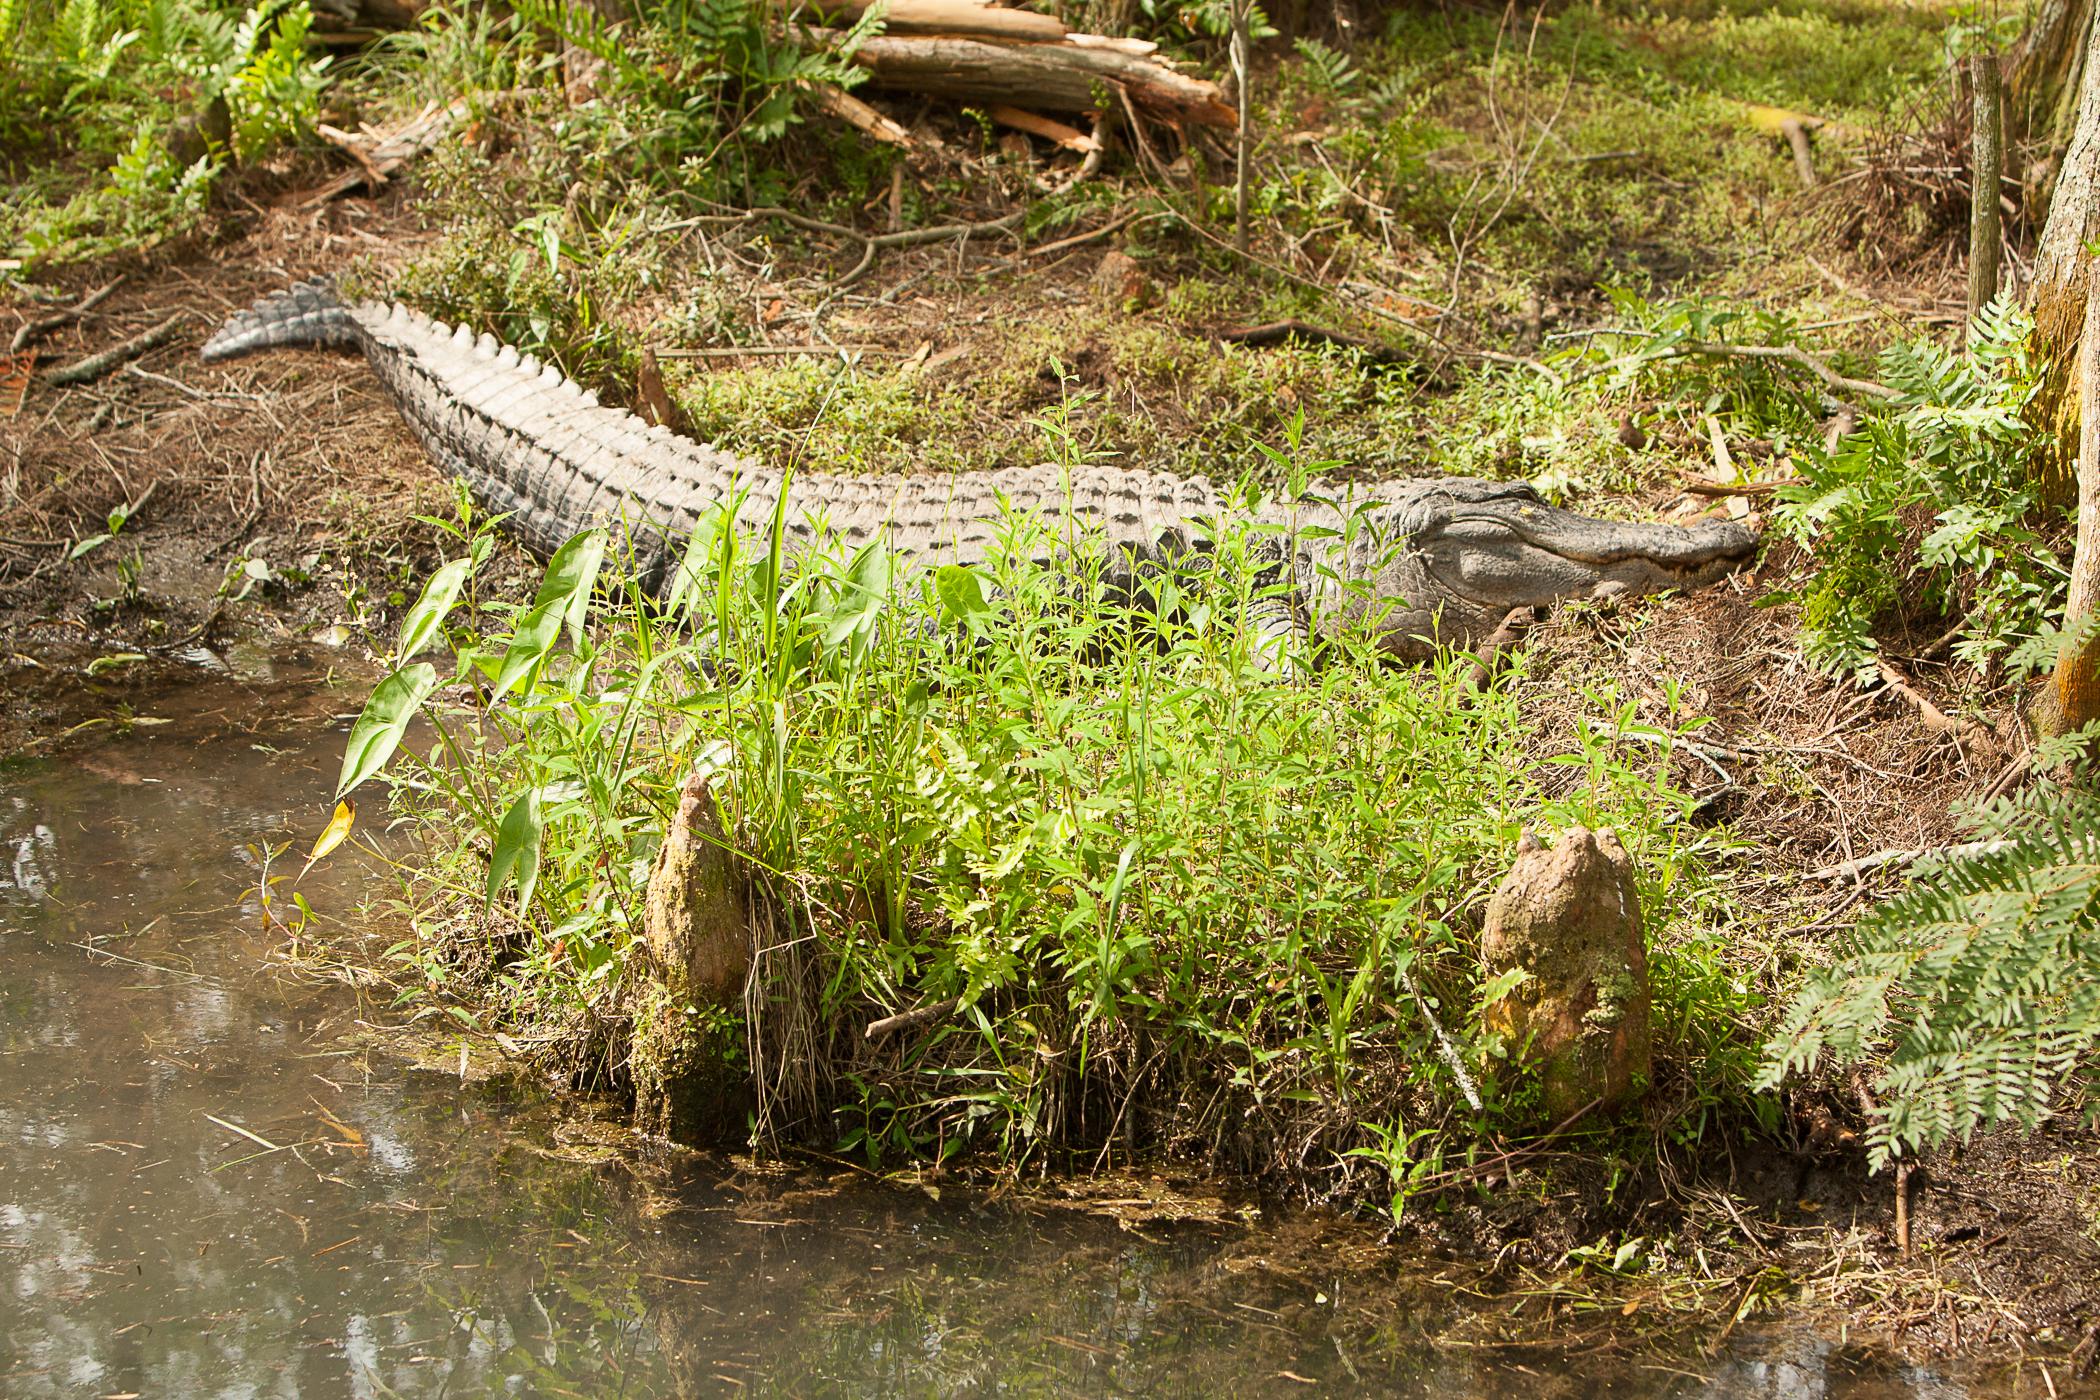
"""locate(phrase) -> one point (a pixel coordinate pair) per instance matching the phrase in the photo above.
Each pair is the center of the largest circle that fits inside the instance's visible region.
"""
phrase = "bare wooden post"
(1243, 85)
(1986, 171)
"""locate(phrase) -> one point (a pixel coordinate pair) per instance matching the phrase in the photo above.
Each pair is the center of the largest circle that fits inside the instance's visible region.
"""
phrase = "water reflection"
(208, 1188)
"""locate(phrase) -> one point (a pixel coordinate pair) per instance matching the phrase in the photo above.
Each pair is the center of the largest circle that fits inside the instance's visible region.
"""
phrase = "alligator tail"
(304, 314)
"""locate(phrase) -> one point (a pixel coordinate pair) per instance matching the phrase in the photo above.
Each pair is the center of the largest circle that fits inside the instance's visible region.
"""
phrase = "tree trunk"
(2067, 336)
(2072, 700)
(2062, 274)
(1986, 168)
(2042, 72)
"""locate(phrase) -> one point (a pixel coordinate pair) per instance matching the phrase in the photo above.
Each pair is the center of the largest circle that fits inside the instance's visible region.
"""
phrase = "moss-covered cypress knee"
(691, 1081)
(1569, 918)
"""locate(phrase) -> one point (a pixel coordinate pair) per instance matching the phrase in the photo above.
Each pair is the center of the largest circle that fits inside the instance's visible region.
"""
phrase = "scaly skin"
(1445, 559)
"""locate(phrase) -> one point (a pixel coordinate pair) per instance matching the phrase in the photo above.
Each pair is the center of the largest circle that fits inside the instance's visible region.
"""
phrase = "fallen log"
(1062, 76)
(965, 17)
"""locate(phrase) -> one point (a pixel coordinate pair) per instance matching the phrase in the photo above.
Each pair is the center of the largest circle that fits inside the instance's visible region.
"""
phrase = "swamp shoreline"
(2001, 1267)
(279, 503)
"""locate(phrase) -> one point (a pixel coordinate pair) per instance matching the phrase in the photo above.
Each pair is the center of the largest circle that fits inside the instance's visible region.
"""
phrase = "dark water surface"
(209, 1186)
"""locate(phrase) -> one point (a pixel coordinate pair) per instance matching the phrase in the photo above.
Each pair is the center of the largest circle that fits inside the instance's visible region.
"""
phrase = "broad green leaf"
(518, 848)
(530, 641)
(564, 597)
(338, 827)
(428, 615)
(863, 593)
(961, 593)
(700, 552)
(570, 574)
(386, 717)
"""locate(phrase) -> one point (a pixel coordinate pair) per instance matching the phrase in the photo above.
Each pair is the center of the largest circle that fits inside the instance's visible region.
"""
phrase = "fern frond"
(583, 28)
(1982, 981)
(1328, 67)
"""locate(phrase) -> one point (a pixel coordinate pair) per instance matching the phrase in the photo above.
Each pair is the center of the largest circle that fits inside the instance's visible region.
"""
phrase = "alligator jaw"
(1530, 554)
(1460, 563)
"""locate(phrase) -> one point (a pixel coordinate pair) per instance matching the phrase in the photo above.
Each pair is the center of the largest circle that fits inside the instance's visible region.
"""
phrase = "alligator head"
(1454, 558)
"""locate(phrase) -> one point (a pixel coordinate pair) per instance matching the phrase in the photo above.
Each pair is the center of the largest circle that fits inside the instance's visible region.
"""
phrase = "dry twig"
(95, 366)
(44, 325)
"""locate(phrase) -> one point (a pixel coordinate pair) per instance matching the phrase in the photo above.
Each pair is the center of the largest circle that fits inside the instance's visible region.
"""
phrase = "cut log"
(1062, 77)
(966, 17)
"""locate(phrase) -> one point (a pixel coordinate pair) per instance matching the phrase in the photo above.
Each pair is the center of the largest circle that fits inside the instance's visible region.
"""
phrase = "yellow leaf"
(338, 827)
(1772, 120)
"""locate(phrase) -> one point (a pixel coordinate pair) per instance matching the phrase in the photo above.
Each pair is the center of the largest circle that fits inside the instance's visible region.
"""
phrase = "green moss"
(691, 1075)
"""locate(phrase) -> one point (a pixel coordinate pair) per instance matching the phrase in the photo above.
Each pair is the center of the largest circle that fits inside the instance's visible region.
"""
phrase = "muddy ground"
(272, 502)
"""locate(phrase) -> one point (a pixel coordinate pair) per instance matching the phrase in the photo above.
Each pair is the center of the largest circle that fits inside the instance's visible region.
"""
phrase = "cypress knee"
(690, 1083)
(1570, 918)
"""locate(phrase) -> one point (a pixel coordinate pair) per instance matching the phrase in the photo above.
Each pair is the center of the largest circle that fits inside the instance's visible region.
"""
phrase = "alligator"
(1427, 561)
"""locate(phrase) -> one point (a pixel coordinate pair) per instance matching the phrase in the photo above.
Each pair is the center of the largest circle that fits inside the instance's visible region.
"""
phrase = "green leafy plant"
(1927, 500)
(165, 92)
(268, 79)
(721, 69)
(1955, 450)
(1976, 992)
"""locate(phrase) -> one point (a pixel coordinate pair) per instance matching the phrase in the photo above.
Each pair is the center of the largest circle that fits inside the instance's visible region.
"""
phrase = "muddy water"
(211, 1186)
